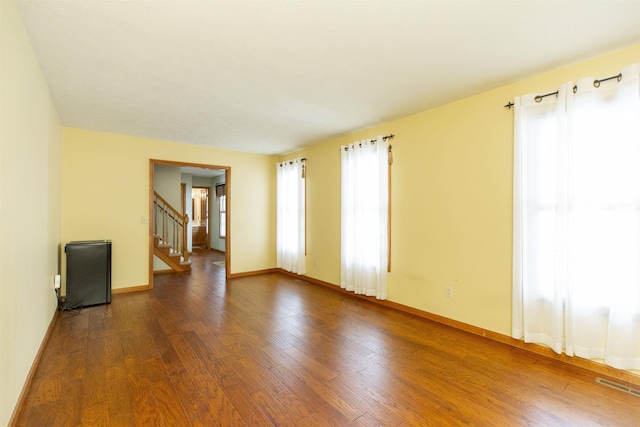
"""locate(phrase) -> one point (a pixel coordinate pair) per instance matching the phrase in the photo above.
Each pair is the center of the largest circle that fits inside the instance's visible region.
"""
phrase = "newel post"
(185, 247)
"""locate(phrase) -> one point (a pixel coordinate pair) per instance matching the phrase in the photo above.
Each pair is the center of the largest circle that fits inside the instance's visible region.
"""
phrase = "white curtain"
(577, 220)
(290, 217)
(364, 214)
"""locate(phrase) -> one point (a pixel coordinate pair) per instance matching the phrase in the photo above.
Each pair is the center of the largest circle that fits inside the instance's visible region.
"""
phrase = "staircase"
(170, 235)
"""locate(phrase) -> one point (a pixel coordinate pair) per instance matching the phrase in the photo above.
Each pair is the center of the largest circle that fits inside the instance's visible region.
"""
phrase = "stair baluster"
(171, 243)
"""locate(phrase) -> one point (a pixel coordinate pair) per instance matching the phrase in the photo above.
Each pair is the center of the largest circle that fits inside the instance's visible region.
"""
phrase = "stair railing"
(170, 225)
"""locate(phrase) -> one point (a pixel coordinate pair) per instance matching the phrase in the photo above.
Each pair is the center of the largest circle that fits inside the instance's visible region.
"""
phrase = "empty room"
(319, 213)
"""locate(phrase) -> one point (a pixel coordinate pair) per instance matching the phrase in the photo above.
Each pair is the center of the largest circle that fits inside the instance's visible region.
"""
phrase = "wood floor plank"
(251, 413)
(169, 404)
(218, 371)
(315, 368)
(68, 405)
(371, 399)
(193, 399)
(95, 414)
(141, 343)
(277, 413)
(194, 365)
(344, 404)
(46, 414)
(220, 406)
(367, 420)
(271, 349)
(210, 340)
(313, 400)
(94, 394)
(119, 402)
(155, 369)
(145, 408)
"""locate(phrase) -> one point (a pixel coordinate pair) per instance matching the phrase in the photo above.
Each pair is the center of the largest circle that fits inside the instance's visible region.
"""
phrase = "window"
(364, 217)
(222, 206)
(221, 194)
(290, 216)
(577, 219)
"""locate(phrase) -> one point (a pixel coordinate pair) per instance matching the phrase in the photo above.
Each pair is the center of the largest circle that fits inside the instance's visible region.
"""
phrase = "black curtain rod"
(538, 98)
(384, 138)
(596, 83)
(291, 161)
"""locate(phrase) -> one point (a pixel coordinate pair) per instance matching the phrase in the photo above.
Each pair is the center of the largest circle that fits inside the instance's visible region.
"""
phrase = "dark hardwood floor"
(274, 350)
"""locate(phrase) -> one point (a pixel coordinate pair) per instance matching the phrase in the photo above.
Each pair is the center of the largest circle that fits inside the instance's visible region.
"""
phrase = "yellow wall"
(29, 207)
(451, 202)
(105, 181)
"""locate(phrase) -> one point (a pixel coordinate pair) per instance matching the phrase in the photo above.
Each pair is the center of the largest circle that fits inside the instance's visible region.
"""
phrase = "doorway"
(197, 176)
(200, 221)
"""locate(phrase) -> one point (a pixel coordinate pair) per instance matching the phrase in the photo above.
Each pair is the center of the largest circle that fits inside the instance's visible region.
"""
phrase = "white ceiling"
(274, 76)
(202, 172)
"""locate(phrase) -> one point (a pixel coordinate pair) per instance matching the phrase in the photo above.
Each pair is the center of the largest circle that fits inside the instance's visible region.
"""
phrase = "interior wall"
(30, 139)
(451, 200)
(118, 166)
(166, 182)
(202, 181)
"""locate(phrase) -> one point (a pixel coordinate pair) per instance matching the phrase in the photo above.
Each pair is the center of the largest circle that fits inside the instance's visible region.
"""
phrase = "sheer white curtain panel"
(364, 214)
(576, 265)
(290, 218)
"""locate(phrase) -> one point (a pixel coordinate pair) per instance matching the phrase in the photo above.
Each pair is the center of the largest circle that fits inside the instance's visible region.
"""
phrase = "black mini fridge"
(88, 273)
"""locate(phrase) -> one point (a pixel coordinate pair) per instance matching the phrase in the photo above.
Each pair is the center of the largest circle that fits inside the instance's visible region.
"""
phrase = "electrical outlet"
(56, 282)
(449, 291)
(315, 262)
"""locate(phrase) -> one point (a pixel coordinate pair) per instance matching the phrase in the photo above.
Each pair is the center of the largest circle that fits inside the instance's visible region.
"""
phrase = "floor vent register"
(617, 386)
